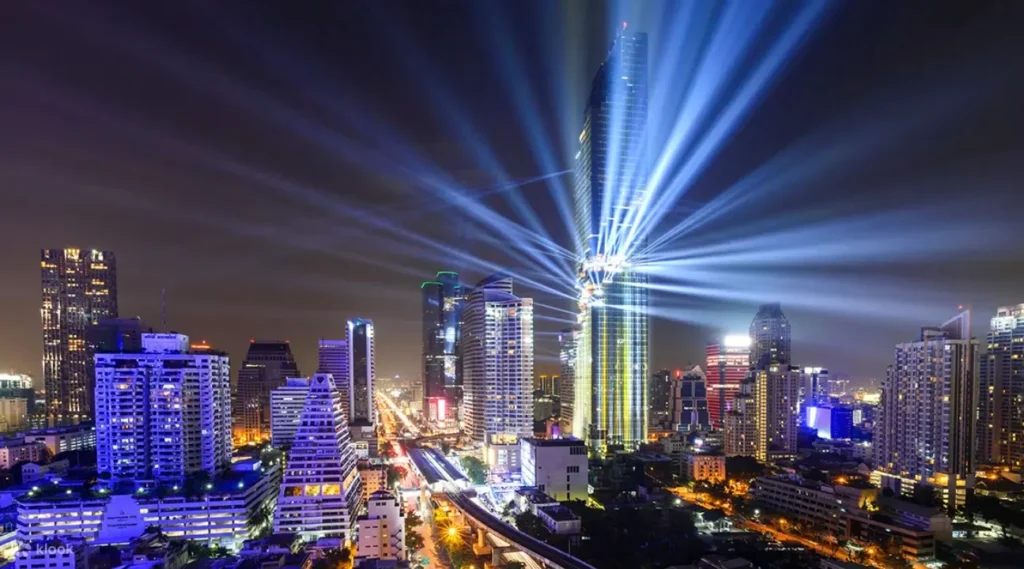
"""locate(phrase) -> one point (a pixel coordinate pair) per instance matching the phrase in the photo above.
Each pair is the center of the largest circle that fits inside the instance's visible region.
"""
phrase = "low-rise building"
(560, 520)
(373, 477)
(52, 553)
(224, 512)
(34, 472)
(60, 439)
(700, 466)
(14, 451)
(557, 467)
(380, 534)
(810, 502)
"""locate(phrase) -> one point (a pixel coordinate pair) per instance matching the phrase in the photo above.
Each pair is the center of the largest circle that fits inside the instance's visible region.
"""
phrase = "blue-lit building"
(610, 403)
(443, 301)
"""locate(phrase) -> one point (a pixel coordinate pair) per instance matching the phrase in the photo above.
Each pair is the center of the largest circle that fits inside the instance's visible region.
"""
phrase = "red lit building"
(728, 362)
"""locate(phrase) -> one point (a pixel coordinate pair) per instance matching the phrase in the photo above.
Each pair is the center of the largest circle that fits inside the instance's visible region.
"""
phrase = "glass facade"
(610, 403)
(443, 302)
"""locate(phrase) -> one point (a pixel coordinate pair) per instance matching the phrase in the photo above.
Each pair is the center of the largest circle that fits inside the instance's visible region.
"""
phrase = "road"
(391, 406)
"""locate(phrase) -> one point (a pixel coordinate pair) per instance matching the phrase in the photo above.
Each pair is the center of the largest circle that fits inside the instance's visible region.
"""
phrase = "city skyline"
(215, 302)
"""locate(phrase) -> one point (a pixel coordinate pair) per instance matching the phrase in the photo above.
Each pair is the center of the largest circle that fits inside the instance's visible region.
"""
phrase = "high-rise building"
(1001, 391)
(659, 400)
(266, 366)
(79, 289)
(689, 410)
(362, 380)
(927, 417)
(728, 362)
(776, 400)
(443, 301)
(771, 338)
(320, 493)
(332, 358)
(739, 425)
(162, 412)
(610, 403)
(498, 352)
(566, 378)
(286, 403)
(18, 401)
(814, 388)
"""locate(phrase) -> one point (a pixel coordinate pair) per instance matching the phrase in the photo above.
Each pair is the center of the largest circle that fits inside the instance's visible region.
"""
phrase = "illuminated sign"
(736, 341)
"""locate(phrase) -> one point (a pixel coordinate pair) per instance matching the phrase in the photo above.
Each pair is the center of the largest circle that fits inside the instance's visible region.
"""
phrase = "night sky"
(266, 166)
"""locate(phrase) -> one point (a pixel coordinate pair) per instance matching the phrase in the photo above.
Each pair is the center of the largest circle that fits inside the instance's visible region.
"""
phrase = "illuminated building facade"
(498, 364)
(1001, 391)
(740, 429)
(17, 401)
(776, 409)
(927, 418)
(332, 358)
(266, 366)
(814, 388)
(689, 410)
(79, 289)
(164, 412)
(610, 402)
(362, 380)
(659, 400)
(321, 492)
(286, 403)
(770, 338)
(566, 378)
(728, 362)
(443, 302)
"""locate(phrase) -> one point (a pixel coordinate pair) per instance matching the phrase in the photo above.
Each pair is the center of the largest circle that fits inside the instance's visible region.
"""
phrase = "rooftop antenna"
(163, 307)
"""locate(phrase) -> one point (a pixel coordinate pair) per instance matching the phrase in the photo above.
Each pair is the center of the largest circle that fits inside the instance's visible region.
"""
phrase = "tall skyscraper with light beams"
(610, 403)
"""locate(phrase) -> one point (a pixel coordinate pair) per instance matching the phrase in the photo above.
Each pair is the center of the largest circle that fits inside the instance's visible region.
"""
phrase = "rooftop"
(559, 513)
(535, 496)
(553, 442)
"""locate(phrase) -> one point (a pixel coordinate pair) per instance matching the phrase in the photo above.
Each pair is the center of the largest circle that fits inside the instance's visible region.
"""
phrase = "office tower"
(443, 301)
(286, 403)
(814, 388)
(610, 401)
(727, 364)
(1001, 391)
(739, 425)
(927, 418)
(498, 352)
(659, 400)
(19, 400)
(776, 400)
(266, 366)
(79, 289)
(689, 397)
(320, 492)
(566, 378)
(164, 412)
(332, 358)
(771, 338)
(362, 379)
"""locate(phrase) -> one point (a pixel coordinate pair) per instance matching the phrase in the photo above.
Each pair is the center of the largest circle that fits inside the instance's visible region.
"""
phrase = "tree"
(475, 468)
(926, 495)
(513, 565)
(413, 540)
(532, 526)
(388, 451)
(743, 467)
(509, 511)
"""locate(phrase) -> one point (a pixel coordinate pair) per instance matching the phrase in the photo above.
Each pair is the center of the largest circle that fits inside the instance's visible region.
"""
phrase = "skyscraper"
(286, 404)
(362, 379)
(927, 417)
(776, 408)
(443, 301)
(690, 402)
(566, 378)
(771, 338)
(610, 403)
(79, 289)
(728, 362)
(265, 368)
(162, 412)
(1001, 391)
(659, 400)
(332, 358)
(320, 491)
(498, 354)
